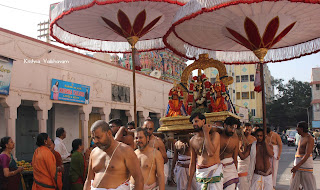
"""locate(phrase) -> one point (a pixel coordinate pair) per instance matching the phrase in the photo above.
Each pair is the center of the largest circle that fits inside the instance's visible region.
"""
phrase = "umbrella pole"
(264, 114)
(261, 53)
(134, 87)
(132, 41)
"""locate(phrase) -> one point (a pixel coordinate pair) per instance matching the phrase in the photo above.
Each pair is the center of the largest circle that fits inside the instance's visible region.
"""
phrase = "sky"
(36, 11)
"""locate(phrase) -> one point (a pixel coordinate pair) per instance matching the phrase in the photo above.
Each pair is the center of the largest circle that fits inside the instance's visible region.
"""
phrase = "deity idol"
(175, 105)
(199, 95)
(219, 96)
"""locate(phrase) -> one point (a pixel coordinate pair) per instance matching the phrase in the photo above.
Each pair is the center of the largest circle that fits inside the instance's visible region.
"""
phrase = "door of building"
(93, 117)
(26, 132)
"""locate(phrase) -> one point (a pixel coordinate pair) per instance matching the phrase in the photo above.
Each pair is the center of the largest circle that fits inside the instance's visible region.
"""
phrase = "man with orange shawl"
(44, 165)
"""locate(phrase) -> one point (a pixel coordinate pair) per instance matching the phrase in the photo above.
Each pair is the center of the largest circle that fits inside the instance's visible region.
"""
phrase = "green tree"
(286, 107)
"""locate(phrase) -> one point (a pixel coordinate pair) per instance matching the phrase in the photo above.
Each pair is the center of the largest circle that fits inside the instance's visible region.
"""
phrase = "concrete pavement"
(285, 166)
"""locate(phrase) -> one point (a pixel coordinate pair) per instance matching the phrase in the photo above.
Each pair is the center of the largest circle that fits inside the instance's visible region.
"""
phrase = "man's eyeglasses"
(149, 129)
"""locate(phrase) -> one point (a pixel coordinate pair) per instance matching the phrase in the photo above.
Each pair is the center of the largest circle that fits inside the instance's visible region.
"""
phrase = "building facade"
(35, 103)
(315, 101)
(169, 65)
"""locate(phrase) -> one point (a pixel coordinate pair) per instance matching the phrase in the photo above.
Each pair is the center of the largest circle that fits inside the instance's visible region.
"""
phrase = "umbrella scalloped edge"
(97, 45)
(189, 51)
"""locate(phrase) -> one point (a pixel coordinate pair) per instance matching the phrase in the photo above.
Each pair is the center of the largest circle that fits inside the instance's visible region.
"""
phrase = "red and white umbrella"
(108, 25)
(246, 31)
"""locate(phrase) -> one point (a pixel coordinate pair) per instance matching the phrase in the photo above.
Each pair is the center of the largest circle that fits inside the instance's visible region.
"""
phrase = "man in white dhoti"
(303, 163)
(276, 142)
(260, 169)
(229, 148)
(181, 162)
(243, 163)
(170, 154)
(151, 162)
(204, 146)
(111, 163)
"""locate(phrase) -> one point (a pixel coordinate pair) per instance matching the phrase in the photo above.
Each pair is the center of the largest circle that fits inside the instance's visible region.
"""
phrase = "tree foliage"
(289, 105)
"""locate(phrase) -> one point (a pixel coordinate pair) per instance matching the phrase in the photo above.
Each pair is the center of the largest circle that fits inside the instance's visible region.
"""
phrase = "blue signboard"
(70, 92)
(5, 75)
(315, 124)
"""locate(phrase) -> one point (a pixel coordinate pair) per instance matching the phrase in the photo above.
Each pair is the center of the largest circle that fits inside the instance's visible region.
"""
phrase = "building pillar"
(105, 113)
(84, 112)
(130, 115)
(42, 108)
(145, 114)
(11, 104)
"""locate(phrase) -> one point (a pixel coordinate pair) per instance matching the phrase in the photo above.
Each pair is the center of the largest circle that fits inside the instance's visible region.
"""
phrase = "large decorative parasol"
(108, 26)
(246, 31)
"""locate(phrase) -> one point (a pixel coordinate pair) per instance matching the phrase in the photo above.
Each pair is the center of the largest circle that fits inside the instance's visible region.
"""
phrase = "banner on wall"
(69, 91)
(5, 74)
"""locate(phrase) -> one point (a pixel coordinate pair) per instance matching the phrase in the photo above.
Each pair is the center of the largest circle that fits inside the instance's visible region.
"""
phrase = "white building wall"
(3, 130)
(67, 116)
(31, 80)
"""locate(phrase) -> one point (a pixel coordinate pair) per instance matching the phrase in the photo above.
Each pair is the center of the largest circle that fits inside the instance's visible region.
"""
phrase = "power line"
(23, 10)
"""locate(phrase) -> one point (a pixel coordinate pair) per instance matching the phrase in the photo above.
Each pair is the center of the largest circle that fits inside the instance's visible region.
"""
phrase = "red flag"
(257, 81)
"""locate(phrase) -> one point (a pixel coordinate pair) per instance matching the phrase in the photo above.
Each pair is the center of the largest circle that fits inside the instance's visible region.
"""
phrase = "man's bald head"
(149, 125)
(100, 124)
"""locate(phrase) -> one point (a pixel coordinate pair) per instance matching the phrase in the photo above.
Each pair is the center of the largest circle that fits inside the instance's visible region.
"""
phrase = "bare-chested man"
(303, 163)
(111, 163)
(243, 163)
(260, 169)
(151, 162)
(125, 136)
(155, 142)
(229, 148)
(180, 164)
(276, 142)
(204, 146)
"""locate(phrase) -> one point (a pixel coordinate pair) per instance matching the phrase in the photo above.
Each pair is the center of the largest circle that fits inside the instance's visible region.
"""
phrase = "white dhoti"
(243, 166)
(260, 182)
(168, 166)
(124, 186)
(275, 164)
(181, 172)
(153, 186)
(304, 176)
(210, 178)
(166, 172)
(230, 174)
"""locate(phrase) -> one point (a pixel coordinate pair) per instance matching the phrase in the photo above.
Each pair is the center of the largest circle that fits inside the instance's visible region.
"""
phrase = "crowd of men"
(214, 157)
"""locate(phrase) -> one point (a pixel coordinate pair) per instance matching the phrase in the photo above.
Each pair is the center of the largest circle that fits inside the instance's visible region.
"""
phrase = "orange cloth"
(44, 169)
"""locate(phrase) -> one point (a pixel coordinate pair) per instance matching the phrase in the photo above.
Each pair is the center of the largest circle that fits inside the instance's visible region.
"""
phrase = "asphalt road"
(285, 166)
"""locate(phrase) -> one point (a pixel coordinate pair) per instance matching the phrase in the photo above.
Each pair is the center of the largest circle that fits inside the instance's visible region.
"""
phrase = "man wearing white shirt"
(65, 155)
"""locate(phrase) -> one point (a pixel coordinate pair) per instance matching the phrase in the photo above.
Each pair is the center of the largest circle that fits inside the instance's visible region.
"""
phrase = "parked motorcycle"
(316, 149)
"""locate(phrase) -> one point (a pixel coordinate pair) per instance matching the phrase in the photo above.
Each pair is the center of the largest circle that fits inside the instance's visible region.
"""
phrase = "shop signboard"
(5, 75)
(69, 91)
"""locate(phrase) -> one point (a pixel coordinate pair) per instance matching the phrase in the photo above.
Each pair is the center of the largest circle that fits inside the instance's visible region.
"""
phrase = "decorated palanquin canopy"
(105, 25)
(230, 30)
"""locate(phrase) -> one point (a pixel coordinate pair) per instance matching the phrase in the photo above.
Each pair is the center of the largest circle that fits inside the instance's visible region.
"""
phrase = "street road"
(285, 166)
